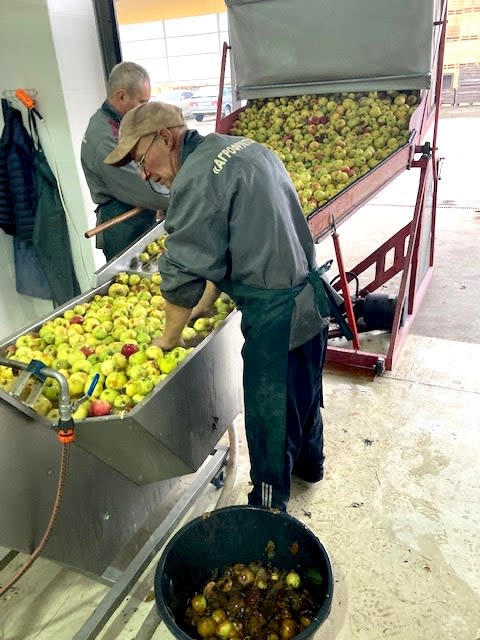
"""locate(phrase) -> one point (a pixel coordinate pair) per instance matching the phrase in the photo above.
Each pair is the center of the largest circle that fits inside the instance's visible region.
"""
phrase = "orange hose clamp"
(66, 436)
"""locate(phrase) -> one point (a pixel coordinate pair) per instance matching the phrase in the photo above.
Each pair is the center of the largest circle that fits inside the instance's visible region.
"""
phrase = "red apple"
(99, 408)
(129, 348)
(87, 350)
(76, 320)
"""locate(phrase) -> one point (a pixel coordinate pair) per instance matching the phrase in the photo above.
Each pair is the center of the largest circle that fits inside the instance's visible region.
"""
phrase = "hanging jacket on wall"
(17, 176)
(18, 201)
(43, 258)
(50, 235)
(7, 216)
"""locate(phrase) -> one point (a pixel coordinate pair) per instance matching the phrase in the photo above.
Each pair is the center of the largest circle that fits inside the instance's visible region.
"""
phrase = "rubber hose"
(66, 448)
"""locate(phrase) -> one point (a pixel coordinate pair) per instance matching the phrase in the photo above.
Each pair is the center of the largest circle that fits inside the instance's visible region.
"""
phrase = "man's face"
(128, 101)
(157, 157)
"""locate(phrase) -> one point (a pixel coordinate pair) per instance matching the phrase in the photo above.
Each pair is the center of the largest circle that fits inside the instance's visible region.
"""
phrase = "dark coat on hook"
(18, 189)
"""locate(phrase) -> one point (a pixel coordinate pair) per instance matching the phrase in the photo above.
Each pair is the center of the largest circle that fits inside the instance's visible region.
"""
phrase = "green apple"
(151, 368)
(137, 398)
(23, 354)
(81, 365)
(143, 337)
(139, 311)
(61, 335)
(117, 290)
(136, 372)
(120, 361)
(76, 341)
(51, 389)
(109, 395)
(80, 309)
(76, 383)
(153, 352)
(82, 411)
(42, 405)
(157, 301)
(115, 380)
(7, 385)
(153, 249)
(202, 324)
(139, 357)
(144, 386)
(53, 415)
(60, 322)
(134, 279)
(48, 335)
(189, 334)
(122, 402)
(73, 355)
(6, 373)
(99, 333)
(178, 353)
(122, 277)
(128, 335)
(90, 324)
(167, 363)
(131, 388)
(107, 366)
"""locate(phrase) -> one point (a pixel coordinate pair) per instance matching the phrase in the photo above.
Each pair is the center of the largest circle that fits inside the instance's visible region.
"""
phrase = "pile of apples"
(109, 335)
(153, 250)
(328, 141)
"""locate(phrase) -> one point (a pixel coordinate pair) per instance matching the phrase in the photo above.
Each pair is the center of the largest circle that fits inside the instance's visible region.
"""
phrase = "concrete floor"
(399, 508)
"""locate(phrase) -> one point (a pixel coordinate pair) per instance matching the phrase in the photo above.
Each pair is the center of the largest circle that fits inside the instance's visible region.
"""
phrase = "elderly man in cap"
(234, 219)
(118, 191)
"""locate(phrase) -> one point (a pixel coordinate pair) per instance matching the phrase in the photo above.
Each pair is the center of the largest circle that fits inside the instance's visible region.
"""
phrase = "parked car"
(178, 97)
(204, 102)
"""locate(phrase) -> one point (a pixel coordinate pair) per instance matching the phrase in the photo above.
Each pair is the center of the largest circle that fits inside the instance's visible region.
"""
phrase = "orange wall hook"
(25, 98)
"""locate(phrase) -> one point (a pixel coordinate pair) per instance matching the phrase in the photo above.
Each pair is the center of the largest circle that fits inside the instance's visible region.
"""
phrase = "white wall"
(52, 46)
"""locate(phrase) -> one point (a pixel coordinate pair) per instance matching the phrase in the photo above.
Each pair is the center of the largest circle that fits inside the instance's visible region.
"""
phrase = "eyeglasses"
(141, 163)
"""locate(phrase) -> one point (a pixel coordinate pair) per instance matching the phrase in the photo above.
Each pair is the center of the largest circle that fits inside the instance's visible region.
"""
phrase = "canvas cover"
(294, 47)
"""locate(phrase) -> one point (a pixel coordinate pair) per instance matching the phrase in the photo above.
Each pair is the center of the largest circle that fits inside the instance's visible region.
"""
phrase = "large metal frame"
(413, 246)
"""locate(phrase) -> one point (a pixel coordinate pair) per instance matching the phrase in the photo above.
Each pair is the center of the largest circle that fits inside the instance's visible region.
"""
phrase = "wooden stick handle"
(110, 223)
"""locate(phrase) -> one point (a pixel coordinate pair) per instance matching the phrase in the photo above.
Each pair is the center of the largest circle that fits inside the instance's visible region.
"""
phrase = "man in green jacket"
(235, 220)
(118, 191)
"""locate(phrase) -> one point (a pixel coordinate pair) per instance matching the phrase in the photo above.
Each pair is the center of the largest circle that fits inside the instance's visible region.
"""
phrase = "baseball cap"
(140, 121)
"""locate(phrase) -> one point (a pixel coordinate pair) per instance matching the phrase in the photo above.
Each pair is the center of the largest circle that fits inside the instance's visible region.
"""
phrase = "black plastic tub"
(238, 534)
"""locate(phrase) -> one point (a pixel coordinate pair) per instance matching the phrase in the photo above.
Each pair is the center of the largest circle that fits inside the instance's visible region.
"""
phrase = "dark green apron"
(266, 327)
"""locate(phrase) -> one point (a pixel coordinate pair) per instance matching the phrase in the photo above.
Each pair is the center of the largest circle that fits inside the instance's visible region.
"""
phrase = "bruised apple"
(129, 348)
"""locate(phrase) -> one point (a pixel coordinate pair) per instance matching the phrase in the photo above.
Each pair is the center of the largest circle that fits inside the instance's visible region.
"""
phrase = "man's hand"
(205, 304)
(175, 321)
(167, 345)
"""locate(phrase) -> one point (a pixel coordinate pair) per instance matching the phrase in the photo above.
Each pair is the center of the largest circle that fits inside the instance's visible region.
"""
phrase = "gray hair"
(127, 75)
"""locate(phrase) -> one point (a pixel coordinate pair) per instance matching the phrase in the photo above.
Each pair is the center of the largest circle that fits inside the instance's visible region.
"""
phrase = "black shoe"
(308, 473)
